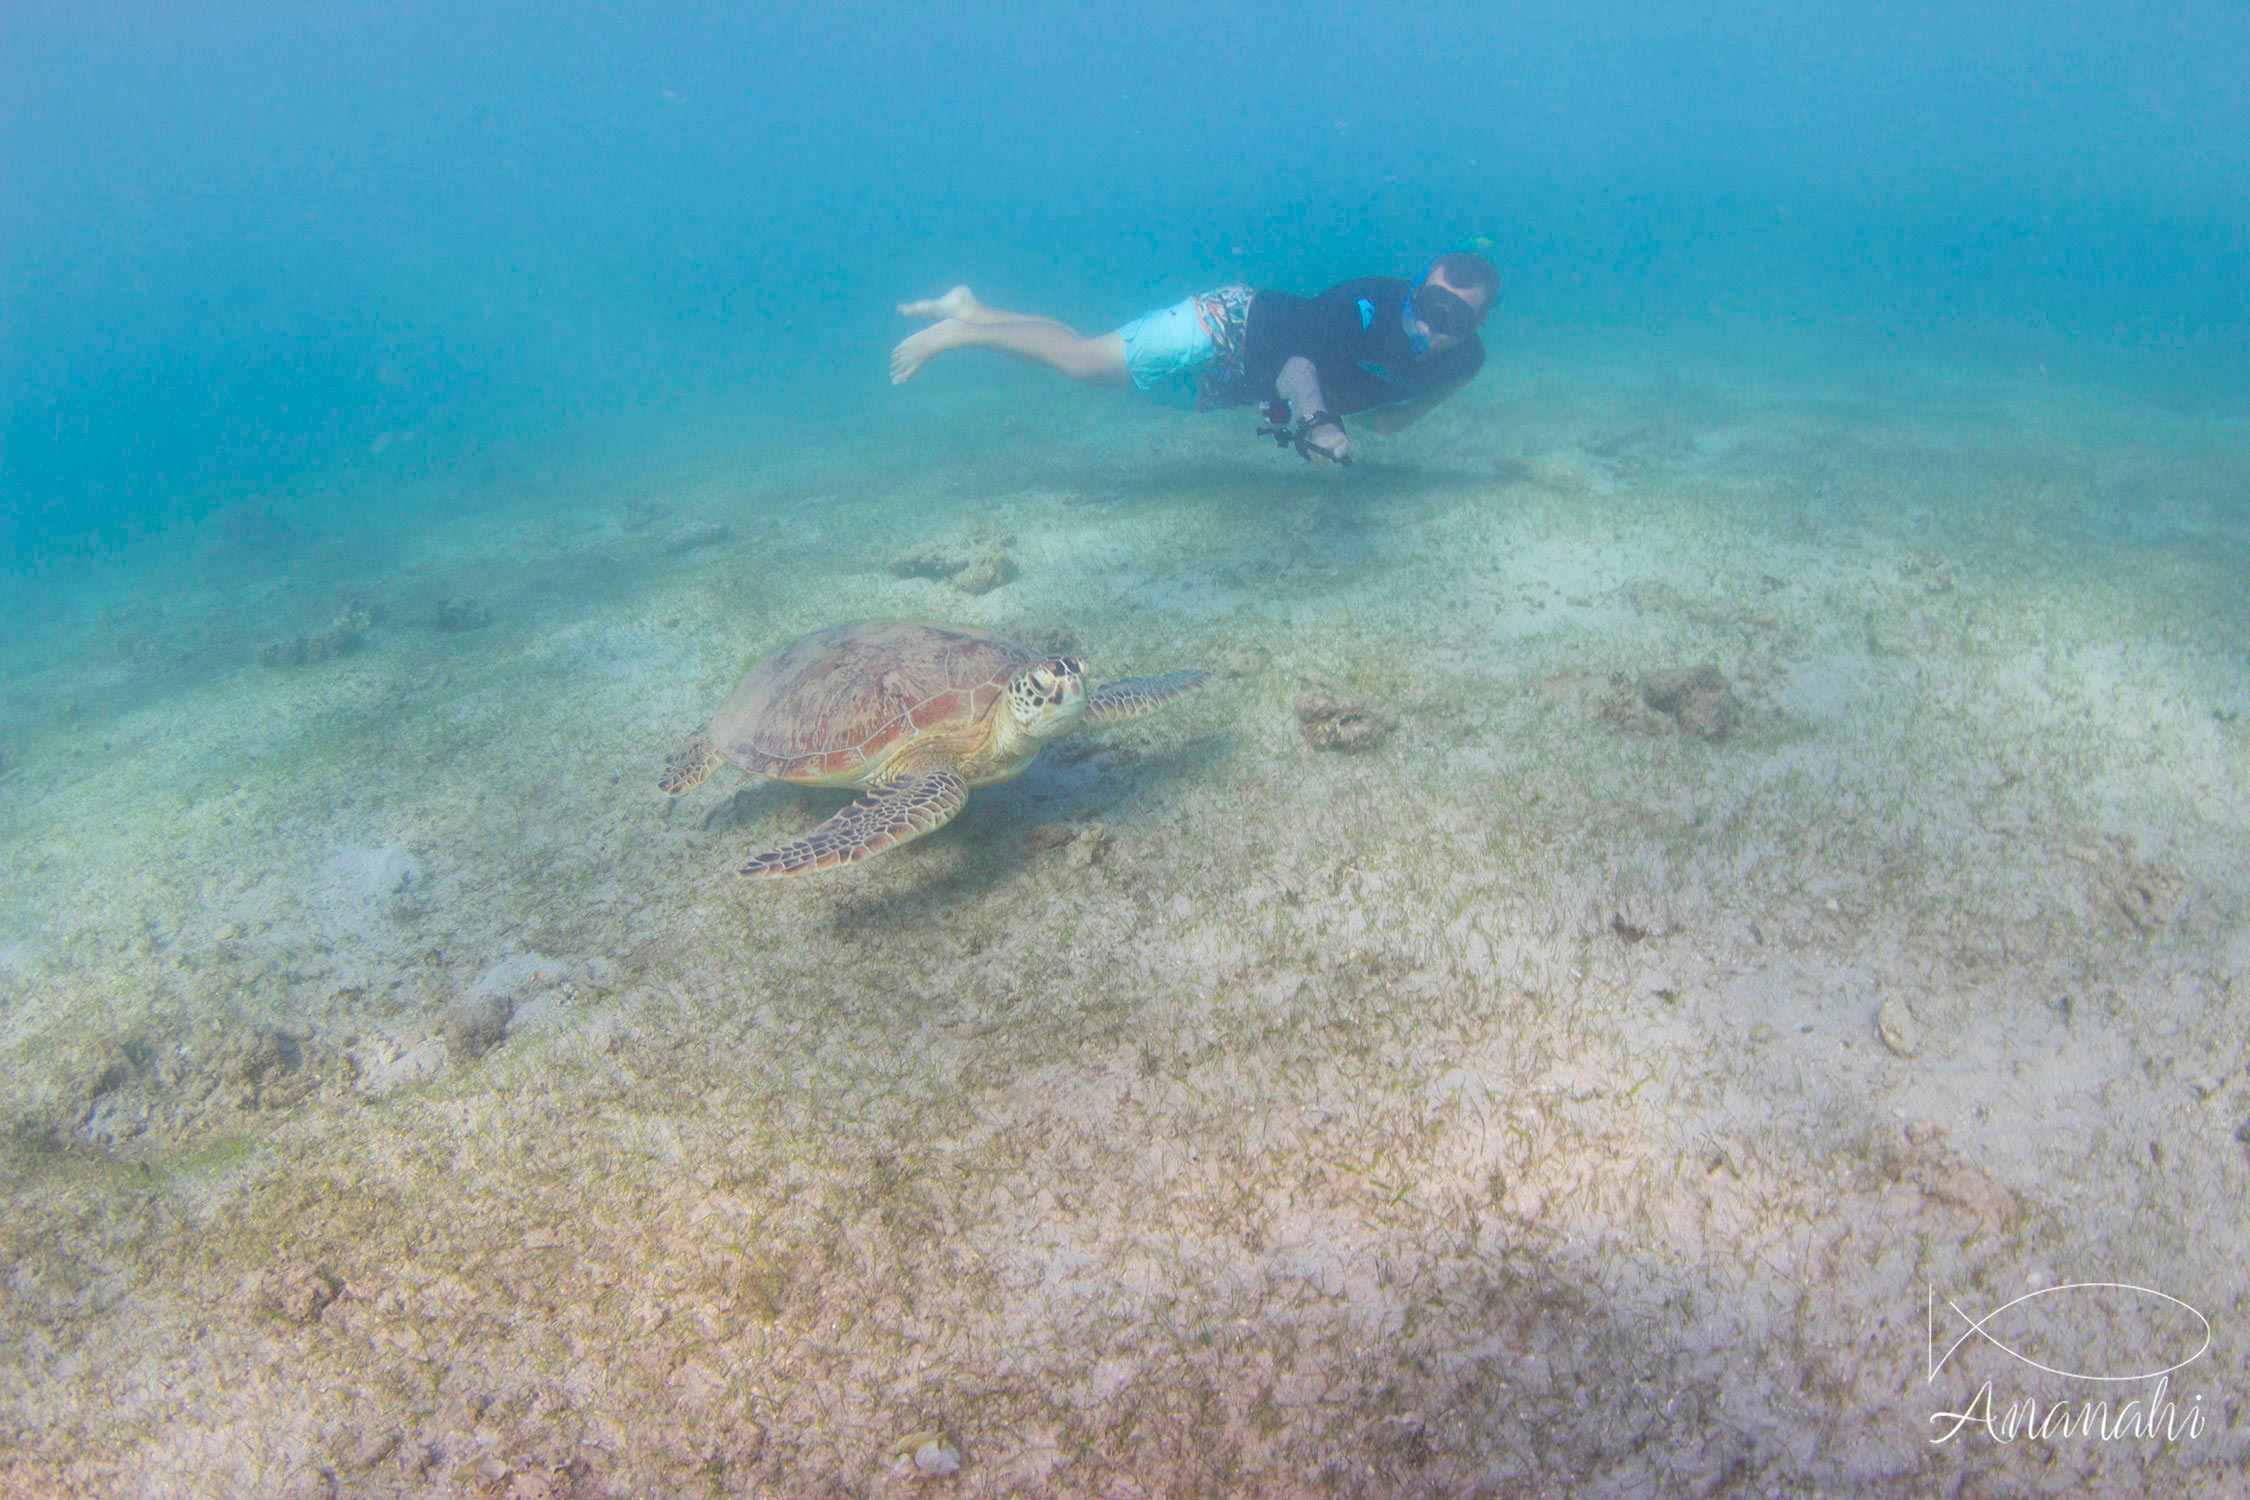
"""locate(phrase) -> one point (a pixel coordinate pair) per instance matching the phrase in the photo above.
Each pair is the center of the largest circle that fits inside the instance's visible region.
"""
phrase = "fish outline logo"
(1979, 1328)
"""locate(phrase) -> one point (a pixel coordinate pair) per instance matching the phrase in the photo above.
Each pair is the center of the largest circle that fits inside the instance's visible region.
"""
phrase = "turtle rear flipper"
(880, 819)
(685, 768)
(1131, 697)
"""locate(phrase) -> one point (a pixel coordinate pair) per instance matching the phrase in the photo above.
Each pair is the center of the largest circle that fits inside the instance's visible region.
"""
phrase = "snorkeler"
(1380, 344)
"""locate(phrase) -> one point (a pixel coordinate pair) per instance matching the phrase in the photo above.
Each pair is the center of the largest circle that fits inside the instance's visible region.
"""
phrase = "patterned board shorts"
(1191, 352)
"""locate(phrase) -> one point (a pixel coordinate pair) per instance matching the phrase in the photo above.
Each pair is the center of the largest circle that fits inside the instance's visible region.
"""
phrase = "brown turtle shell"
(828, 707)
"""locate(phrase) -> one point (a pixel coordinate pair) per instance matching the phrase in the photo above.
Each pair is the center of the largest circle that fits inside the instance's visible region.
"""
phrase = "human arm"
(1299, 385)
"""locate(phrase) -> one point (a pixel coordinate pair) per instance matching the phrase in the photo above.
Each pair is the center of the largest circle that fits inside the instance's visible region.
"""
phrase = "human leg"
(965, 323)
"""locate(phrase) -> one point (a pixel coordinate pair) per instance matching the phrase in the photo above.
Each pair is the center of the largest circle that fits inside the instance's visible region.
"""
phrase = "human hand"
(1327, 444)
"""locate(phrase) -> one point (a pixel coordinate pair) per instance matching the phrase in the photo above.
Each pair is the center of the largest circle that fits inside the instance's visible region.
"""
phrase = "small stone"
(369, 1449)
(1701, 701)
(1930, 570)
(290, 651)
(1972, 1190)
(345, 634)
(139, 648)
(263, 1054)
(458, 615)
(1698, 702)
(119, 1062)
(1091, 846)
(476, 1024)
(936, 1460)
(298, 1292)
(1052, 835)
(1402, 1431)
(372, 608)
(926, 1455)
(1331, 721)
(985, 572)
(2148, 894)
(933, 561)
(975, 564)
(1898, 1028)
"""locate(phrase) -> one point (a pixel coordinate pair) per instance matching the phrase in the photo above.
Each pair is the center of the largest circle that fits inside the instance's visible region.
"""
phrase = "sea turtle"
(917, 714)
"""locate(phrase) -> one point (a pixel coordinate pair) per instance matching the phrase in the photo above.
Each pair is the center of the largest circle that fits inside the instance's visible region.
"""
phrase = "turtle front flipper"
(685, 768)
(1132, 697)
(881, 818)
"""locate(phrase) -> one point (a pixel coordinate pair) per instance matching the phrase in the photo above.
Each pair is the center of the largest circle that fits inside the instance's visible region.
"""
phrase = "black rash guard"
(1355, 336)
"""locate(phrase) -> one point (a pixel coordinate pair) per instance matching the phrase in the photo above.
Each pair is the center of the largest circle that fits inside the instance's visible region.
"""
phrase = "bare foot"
(918, 349)
(959, 303)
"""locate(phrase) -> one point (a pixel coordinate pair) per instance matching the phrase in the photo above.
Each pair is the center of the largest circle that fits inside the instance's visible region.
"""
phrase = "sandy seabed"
(1783, 881)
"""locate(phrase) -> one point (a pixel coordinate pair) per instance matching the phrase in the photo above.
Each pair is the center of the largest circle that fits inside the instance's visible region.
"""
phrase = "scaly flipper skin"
(1134, 696)
(887, 816)
(685, 768)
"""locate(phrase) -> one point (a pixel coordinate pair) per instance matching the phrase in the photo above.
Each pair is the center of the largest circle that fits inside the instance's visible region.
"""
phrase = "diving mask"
(1435, 312)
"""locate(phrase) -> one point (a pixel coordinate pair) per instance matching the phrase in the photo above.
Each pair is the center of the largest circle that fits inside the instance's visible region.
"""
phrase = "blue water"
(240, 241)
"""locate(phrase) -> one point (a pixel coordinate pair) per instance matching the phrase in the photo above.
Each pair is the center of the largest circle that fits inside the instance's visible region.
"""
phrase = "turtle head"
(1047, 697)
